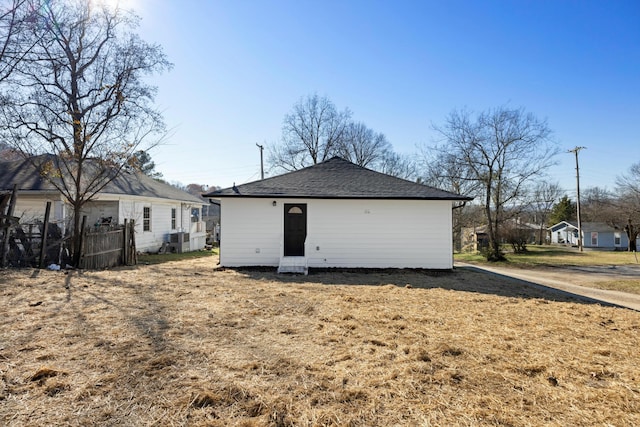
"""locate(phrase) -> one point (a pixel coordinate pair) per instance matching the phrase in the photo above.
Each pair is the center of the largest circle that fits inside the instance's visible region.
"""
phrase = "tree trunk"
(540, 238)
(632, 235)
(494, 253)
(76, 237)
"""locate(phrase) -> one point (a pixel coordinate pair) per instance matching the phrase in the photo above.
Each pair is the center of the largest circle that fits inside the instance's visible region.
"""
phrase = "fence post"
(7, 226)
(134, 255)
(45, 231)
(125, 243)
(82, 238)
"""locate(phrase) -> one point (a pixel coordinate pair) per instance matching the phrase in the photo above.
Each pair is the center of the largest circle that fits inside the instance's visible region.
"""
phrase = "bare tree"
(545, 195)
(363, 146)
(440, 170)
(502, 150)
(311, 133)
(600, 205)
(398, 165)
(79, 95)
(196, 189)
(628, 190)
(16, 38)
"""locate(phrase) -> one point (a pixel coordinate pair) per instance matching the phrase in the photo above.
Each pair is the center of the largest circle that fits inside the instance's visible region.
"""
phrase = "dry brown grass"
(631, 286)
(182, 344)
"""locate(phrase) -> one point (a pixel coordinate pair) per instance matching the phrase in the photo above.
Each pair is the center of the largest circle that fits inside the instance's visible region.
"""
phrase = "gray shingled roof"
(27, 177)
(336, 178)
(586, 226)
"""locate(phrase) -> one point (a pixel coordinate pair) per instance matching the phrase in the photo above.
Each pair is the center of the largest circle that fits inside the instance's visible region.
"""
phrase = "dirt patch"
(184, 344)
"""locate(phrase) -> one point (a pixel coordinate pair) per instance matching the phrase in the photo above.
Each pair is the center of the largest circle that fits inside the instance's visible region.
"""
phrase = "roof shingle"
(336, 178)
(27, 177)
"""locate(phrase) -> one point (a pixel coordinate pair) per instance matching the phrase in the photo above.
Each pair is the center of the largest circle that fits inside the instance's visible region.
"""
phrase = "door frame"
(299, 249)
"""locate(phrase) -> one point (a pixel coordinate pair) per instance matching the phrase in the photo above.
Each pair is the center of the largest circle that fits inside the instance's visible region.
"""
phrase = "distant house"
(564, 233)
(596, 235)
(162, 212)
(336, 214)
(475, 239)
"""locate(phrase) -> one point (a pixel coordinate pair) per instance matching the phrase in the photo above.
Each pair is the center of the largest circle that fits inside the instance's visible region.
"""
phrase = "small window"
(195, 214)
(295, 210)
(594, 238)
(617, 239)
(173, 218)
(146, 219)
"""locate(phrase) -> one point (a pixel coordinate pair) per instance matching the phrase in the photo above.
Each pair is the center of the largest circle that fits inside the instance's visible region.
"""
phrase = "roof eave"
(324, 197)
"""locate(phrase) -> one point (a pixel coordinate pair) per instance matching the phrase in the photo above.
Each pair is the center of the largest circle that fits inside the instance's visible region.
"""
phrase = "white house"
(335, 214)
(162, 212)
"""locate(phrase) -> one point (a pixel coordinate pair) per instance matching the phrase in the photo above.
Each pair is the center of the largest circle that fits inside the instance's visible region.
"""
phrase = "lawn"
(556, 256)
(181, 343)
(148, 259)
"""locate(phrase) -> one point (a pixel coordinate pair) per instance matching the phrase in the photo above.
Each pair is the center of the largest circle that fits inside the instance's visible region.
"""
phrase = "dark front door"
(295, 229)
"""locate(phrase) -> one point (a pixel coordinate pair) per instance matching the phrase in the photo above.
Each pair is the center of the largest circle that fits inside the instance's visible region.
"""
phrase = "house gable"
(336, 178)
(562, 226)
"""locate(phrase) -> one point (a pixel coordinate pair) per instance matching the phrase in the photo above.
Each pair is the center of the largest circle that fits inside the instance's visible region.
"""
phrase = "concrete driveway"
(573, 280)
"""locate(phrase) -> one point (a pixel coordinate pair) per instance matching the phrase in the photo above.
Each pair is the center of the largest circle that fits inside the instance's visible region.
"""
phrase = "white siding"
(31, 208)
(152, 240)
(341, 233)
(250, 232)
(96, 210)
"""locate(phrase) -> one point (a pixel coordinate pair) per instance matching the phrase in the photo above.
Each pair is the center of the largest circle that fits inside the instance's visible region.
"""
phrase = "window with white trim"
(617, 239)
(594, 238)
(146, 218)
(173, 218)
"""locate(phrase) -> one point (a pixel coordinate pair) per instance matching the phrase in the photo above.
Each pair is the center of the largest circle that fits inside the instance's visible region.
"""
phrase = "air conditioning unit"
(179, 242)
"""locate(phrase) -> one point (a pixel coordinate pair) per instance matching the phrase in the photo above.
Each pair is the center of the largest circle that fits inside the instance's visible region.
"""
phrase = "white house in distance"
(162, 212)
(335, 214)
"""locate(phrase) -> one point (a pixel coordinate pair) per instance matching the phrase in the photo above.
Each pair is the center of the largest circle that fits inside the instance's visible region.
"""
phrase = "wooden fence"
(39, 245)
(110, 248)
(42, 244)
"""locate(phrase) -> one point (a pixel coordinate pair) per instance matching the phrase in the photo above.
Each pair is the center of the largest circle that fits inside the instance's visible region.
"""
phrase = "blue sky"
(400, 67)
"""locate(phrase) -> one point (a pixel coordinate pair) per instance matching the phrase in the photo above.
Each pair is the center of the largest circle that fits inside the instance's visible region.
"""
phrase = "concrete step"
(296, 265)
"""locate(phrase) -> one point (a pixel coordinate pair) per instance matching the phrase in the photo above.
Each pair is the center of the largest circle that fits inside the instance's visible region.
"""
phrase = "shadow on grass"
(152, 259)
(143, 310)
(549, 252)
(462, 279)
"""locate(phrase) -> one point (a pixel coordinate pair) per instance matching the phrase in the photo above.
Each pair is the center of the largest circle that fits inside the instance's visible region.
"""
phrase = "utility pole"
(261, 163)
(576, 150)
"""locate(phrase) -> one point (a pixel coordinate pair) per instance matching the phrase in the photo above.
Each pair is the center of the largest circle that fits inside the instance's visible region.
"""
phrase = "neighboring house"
(336, 214)
(474, 239)
(564, 233)
(596, 235)
(162, 212)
